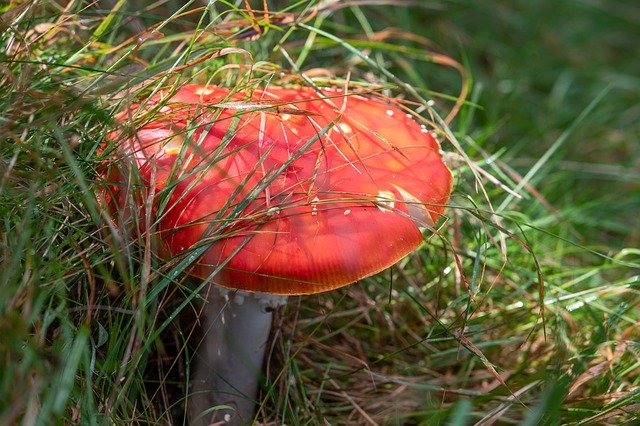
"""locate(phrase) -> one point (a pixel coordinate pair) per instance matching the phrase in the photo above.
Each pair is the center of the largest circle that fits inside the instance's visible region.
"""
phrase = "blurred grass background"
(552, 114)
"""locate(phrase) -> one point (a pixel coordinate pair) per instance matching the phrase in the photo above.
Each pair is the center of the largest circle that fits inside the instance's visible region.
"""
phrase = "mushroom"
(275, 192)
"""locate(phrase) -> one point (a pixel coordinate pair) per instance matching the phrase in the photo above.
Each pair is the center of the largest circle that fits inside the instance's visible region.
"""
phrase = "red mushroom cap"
(297, 191)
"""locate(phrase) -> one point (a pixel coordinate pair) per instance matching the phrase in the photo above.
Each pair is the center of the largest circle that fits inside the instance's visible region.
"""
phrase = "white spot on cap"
(173, 145)
(346, 212)
(203, 91)
(385, 201)
(408, 115)
(273, 210)
(314, 208)
(285, 117)
(390, 113)
(345, 127)
(293, 130)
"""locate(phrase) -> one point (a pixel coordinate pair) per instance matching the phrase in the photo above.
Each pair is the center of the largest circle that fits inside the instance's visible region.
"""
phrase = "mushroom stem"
(229, 362)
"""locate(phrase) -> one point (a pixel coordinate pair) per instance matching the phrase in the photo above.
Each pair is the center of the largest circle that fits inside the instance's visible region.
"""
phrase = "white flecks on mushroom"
(174, 145)
(345, 127)
(285, 117)
(203, 91)
(314, 207)
(273, 211)
(390, 112)
(346, 212)
(385, 201)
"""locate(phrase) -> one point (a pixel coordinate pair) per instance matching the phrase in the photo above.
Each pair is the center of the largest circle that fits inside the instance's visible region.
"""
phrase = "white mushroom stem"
(229, 361)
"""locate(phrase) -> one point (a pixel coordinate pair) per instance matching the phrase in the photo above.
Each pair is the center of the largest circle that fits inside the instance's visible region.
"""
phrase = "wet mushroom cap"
(298, 191)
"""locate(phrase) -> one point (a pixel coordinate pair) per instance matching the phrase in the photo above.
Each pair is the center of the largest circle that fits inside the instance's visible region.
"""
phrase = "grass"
(456, 333)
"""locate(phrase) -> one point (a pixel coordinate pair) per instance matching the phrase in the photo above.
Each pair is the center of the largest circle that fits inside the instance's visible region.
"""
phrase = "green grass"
(92, 331)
